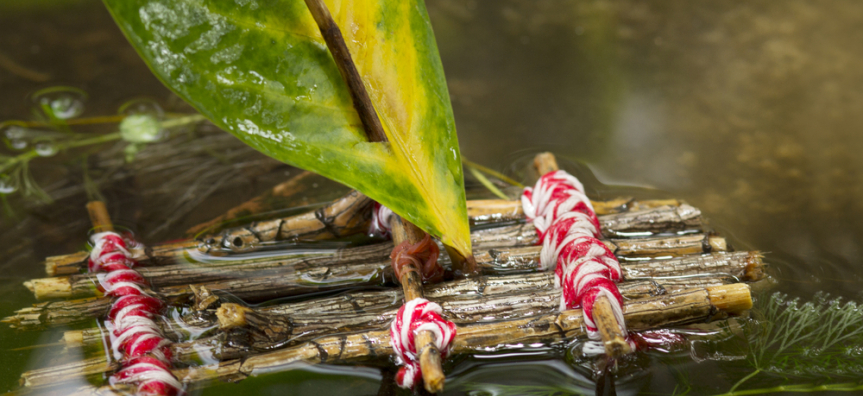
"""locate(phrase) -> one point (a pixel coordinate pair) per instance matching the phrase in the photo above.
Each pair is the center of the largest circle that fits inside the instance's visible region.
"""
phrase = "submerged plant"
(805, 347)
(56, 113)
(480, 389)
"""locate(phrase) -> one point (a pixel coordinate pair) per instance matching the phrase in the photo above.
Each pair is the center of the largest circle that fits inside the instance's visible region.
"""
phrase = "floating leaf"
(261, 70)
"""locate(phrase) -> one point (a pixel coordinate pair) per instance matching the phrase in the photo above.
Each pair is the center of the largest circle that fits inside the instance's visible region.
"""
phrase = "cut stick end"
(463, 266)
(545, 163)
(231, 315)
(99, 216)
(754, 270)
(50, 268)
(617, 347)
(734, 298)
(50, 288)
(717, 244)
(430, 362)
(73, 338)
(613, 339)
(435, 385)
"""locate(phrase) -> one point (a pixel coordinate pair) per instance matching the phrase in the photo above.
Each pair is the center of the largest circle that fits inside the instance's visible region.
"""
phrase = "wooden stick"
(643, 279)
(350, 215)
(83, 285)
(741, 265)
(691, 306)
(489, 211)
(347, 68)
(343, 217)
(268, 331)
(411, 281)
(613, 338)
(257, 204)
(99, 216)
(545, 163)
(167, 253)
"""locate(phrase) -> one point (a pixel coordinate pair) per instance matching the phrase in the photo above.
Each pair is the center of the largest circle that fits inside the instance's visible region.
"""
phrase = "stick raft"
(306, 278)
(691, 306)
(85, 285)
(482, 299)
(336, 220)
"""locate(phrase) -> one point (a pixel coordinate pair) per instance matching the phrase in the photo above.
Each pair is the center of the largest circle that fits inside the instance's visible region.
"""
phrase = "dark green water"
(750, 111)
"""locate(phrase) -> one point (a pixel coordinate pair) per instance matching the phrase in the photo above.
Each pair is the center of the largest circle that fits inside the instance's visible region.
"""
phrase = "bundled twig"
(350, 215)
(257, 204)
(690, 306)
(644, 279)
(168, 274)
(332, 273)
(480, 299)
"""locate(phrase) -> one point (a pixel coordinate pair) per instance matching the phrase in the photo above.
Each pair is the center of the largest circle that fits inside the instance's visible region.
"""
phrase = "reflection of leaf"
(261, 70)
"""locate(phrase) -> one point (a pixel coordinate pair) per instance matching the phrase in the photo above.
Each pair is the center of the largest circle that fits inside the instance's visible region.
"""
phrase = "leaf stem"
(487, 183)
(744, 379)
(803, 388)
(342, 56)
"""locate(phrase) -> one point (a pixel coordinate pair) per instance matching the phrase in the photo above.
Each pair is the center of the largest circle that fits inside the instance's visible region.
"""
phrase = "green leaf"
(261, 70)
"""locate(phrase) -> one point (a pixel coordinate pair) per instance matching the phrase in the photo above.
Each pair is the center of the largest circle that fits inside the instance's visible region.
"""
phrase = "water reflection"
(747, 110)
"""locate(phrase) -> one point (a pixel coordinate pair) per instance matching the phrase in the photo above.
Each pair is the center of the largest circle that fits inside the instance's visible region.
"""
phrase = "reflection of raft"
(673, 274)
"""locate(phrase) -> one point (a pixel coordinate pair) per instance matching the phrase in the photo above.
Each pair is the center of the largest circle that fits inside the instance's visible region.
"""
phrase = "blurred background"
(748, 110)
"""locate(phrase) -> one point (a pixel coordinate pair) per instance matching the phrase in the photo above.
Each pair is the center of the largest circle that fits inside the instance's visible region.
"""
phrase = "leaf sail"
(261, 70)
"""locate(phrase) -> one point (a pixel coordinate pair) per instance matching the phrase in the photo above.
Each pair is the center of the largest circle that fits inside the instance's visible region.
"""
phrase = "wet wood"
(163, 254)
(57, 313)
(613, 339)
(690, 306)
(339, 50)
(664, 219)
(343, 217)
(489, 211)
(747, 266)
(608, 325)
(257, 205)
(84, 285)
(73, 371)
(267, 330)
(483, 298)
(503, 238)
(412, 288)
(351, 214)
(99, 217)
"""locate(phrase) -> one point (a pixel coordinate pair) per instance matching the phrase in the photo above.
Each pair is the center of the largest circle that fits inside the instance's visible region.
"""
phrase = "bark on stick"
(606, 322)
(691, 306)
(412, 287)
(741, 265)
(351, 214)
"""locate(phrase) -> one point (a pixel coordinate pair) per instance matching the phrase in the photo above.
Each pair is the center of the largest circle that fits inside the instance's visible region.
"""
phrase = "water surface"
(747, 110)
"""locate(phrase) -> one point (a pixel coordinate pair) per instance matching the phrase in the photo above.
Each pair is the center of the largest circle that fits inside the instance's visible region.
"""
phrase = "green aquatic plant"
(479, 172)
(52, 131)
(804, 347)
